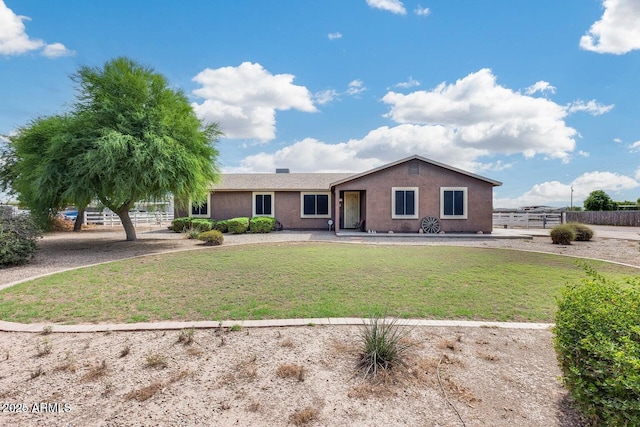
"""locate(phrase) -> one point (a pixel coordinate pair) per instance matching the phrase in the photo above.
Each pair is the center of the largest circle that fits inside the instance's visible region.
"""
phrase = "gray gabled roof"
(278, 181)
(415, 157)
(315, 181)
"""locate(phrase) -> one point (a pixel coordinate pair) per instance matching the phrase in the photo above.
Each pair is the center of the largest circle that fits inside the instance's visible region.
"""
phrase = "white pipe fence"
(138, 218)
(526, 220)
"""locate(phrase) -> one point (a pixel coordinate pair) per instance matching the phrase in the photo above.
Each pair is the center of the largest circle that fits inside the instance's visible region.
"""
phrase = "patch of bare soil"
(279, 377)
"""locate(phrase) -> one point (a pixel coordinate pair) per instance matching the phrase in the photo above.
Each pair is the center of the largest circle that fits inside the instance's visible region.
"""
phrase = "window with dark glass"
(202, 209)
(263, 204)
(316, 204)
(405, 202)
(453, 202)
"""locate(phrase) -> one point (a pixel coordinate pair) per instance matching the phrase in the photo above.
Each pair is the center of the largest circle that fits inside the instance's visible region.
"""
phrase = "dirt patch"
(281, 376)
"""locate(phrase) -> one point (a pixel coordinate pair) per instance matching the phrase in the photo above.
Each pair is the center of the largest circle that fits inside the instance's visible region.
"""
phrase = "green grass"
(304, 280)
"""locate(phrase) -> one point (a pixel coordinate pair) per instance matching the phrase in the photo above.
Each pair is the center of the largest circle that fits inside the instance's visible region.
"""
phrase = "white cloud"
(540, 86)
(393, 6)
(325, 96)
(637, 174)
(408, 84)
(334, 36)
(618, 31)
(635, 147)
(607, 181)
(244, 99)
(479, 113)
(592, 107)
(308, 155)
(583, 153)
(617, 140)
(422, 11)
(56, 50)
(557, 193)
(463, 124)
(380, 146)
(356, 87)
(15, 41)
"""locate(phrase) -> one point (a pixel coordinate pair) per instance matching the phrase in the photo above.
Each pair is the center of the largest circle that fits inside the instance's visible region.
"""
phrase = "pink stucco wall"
(287, 209)
(430, 178)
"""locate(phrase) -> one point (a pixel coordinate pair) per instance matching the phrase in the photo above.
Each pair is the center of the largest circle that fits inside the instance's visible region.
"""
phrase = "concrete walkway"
(130, 327)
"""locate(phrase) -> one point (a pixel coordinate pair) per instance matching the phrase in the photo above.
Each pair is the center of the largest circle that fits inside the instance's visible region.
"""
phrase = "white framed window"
(453, 202)
(200, 210)
(263, 204)
(404, 202)
(315, 205)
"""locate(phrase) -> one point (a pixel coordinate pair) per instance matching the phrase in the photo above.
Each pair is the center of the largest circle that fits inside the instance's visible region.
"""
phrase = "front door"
(351, 209)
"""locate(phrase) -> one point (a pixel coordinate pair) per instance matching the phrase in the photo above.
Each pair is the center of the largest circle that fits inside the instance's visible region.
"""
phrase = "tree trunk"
(77, 226)
(129, 229)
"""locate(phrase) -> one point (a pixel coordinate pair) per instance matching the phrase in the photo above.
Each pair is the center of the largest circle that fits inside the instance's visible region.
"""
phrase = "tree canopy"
(598, 200)
(129, 137)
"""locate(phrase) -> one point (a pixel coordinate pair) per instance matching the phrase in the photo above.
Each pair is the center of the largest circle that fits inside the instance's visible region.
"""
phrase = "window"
(317, 205)
(453, 202)
(263, 204)
(404, 203)
(200, 210)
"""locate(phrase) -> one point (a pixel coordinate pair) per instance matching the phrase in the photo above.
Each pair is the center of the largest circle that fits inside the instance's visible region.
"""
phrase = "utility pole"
(572, 197)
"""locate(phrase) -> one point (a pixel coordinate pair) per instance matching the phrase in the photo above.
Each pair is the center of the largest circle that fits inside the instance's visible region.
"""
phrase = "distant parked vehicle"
(69, 215)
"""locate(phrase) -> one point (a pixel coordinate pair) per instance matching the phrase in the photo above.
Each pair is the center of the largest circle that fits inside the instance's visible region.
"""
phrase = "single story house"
(407, 196)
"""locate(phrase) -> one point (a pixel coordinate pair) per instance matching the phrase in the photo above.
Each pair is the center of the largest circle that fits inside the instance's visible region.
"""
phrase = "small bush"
(185, 224)
(583, 233)
(18, 237)
(211, 238)
(597, 341)
(562, 234)
(238, 225)
(262, 224)
(180, 225)
(201, 224)
(222, 226)
(384, 346)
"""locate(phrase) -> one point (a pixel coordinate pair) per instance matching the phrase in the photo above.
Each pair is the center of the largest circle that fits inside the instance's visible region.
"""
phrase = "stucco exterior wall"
(288, 211)
(287, 208)
(231, 204)
(429, 179)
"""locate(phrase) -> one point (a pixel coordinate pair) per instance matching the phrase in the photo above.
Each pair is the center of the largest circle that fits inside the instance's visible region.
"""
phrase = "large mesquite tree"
(130, 137)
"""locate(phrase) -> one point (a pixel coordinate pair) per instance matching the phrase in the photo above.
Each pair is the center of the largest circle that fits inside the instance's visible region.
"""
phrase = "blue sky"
(543, 96)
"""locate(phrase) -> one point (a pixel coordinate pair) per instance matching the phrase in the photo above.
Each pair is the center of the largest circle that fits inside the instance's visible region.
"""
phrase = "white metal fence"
(526, 220)
(138, 218)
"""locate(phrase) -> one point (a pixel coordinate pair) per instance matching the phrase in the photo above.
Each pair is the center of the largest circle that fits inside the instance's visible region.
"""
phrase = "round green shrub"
(562, 234)
(262, 224)
(181, 224)
(238, 225)
(201, 224)
(597, 341)
(211, 237)
(583, 233)
(222, 226)
(18, 237)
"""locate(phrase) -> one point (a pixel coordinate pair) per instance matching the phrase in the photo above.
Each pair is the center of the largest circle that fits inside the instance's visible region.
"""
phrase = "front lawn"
(304, 280)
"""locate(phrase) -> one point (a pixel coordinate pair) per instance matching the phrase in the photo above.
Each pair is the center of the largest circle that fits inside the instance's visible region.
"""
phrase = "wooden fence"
(526, 220)
(138, 218)
(621, 218)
